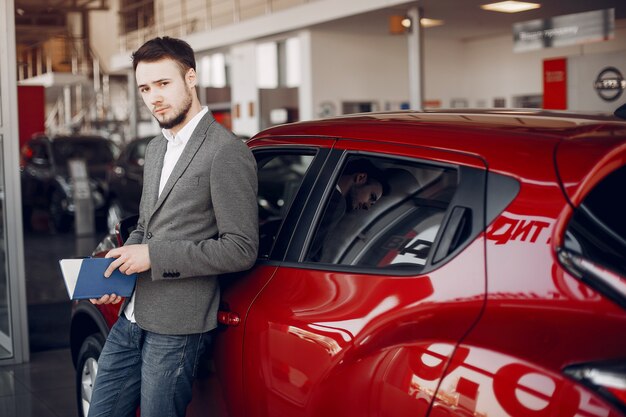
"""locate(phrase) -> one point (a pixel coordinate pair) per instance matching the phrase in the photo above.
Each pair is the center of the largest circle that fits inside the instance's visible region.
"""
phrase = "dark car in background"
(125, 181)
(489, 280)
(45, 176)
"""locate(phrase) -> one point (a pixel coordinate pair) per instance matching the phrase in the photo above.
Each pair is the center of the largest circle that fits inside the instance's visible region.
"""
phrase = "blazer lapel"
(195, 141)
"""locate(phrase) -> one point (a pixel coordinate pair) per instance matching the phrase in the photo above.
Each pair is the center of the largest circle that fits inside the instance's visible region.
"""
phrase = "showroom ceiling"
(464, 19)
(37, 20)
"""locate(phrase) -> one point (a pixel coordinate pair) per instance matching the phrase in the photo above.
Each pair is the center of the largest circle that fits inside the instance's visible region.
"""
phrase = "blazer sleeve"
(233, 185)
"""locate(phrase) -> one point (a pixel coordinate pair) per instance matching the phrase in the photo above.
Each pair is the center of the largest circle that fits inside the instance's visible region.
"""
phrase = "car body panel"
(483, 382)
(488, 330)
(529, 323)
(239, 291)
(310, 332)
(581, 163)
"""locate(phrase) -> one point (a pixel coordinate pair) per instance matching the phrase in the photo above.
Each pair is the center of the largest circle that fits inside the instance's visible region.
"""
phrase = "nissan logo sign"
(610, 84)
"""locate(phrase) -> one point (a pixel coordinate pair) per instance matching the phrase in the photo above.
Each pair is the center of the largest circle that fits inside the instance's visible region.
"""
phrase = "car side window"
(383, 213)
(594, 247)
(280, 176)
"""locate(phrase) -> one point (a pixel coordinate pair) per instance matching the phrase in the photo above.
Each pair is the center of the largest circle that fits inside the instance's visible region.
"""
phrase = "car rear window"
(399, 229)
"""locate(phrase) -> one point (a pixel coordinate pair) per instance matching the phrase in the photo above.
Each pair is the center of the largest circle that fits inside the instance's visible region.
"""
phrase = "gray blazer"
(204, 223)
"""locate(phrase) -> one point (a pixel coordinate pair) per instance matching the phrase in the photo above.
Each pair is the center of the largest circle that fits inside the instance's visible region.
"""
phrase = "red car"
(488, 279)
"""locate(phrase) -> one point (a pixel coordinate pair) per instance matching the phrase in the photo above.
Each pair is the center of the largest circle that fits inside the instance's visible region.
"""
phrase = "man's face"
(165, 91)
(363, 196)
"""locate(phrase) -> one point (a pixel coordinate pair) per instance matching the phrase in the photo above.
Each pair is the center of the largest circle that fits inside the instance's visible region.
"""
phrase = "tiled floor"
(44, 387)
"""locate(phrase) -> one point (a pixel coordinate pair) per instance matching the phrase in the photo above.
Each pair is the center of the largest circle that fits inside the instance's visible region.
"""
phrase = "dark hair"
(162, 48)
(364, 165)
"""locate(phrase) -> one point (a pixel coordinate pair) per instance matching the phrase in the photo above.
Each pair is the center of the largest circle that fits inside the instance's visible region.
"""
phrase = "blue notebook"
(84, 278)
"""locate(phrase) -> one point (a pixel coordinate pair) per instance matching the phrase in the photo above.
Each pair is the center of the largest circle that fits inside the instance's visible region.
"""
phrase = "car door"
(550, 341)
(286, 176)
(346, 335)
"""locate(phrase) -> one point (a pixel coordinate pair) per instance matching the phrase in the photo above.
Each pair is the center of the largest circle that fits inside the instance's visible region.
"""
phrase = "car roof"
(489, 134)
(506, 123)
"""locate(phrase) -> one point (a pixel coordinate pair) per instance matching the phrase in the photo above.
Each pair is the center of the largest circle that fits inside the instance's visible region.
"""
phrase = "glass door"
(13, 313)
(6, 347)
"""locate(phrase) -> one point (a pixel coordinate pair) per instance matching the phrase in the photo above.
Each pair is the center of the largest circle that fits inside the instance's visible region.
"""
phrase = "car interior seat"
(402, 185)
(412, 211)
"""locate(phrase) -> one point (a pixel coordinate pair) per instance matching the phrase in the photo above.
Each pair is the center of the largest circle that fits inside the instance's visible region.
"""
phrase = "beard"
(178, 117)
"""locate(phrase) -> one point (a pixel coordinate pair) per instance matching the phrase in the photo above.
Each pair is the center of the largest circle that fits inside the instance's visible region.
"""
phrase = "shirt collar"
(183, 135)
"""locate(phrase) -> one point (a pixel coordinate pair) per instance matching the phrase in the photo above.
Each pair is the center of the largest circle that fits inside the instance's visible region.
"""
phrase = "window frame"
(465, 195)
(292, 214)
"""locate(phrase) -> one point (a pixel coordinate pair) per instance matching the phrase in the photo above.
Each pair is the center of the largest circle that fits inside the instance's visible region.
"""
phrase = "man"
(359, 187)
(198, 219)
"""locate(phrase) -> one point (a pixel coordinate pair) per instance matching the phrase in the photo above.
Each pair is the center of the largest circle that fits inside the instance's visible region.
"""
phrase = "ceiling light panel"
(510, 6)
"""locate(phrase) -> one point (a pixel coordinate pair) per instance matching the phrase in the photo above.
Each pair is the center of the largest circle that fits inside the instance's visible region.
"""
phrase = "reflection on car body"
(479, 284)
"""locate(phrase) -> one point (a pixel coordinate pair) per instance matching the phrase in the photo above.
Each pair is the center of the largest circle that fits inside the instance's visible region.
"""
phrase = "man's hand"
(129, 260)
(106, 299)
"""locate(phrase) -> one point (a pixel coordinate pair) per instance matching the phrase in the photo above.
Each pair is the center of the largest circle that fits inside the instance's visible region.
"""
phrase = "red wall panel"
(31, 104)
(555, 84)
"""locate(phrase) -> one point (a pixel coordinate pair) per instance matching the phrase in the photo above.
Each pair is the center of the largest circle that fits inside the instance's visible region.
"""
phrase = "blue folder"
(84, 278)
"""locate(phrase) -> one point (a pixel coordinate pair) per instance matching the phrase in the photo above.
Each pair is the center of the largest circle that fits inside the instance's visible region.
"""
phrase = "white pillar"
(305, 91)
(416, 59)
(244, 90)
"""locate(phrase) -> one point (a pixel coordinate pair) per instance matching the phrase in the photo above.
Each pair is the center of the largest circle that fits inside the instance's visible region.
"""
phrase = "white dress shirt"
(175, 146)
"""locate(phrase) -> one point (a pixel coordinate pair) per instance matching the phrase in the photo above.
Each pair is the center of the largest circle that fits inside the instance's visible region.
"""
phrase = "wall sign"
(610, 84)
(555, 84)
(571, 29)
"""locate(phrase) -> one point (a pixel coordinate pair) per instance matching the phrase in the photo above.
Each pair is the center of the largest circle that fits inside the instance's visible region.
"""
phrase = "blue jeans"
(141, 368)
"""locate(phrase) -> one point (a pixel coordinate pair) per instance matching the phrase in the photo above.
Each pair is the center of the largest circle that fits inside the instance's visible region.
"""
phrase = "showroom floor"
(45, 386)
